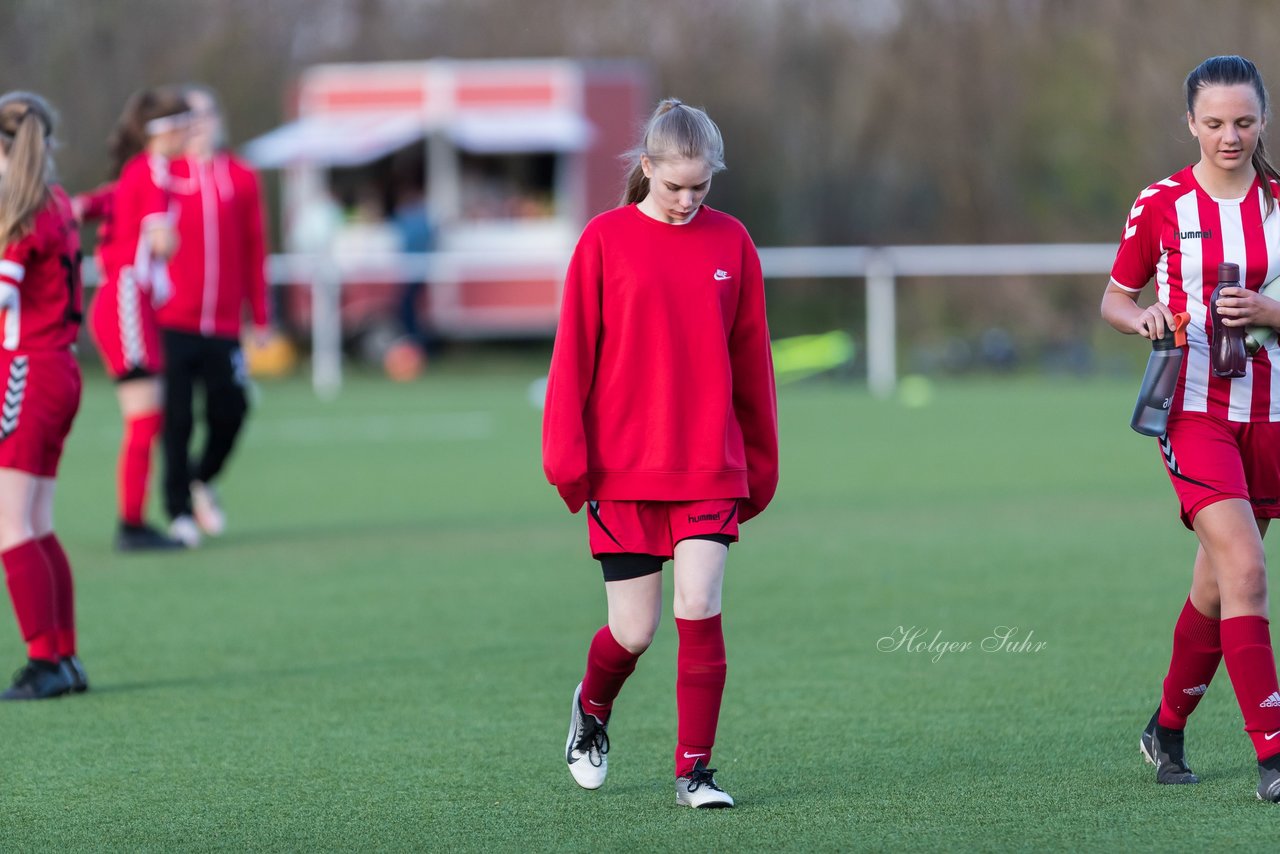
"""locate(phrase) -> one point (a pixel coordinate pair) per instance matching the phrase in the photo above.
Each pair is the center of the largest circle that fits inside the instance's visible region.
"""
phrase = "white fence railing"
(881, 267)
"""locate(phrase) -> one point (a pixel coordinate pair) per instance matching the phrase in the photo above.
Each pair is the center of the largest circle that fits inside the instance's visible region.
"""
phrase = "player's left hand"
(1243, 307)
(262, 335)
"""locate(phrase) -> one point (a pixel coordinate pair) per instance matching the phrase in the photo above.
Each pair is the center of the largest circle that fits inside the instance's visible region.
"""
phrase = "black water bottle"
(1228, 350)
(1151, 413)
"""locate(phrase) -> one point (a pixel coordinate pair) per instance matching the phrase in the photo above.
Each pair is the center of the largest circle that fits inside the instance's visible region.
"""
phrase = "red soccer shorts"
(123, 324)
(41, 396)
(654, 527)
(1210, 460)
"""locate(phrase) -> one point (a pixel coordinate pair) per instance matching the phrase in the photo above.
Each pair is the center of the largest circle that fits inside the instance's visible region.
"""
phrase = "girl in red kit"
(136, 237)
(661, 419)
(1222, 446)
(39, 319)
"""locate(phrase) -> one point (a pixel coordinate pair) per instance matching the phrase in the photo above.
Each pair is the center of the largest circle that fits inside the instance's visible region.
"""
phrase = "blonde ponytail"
(674, 131)
(26, 128)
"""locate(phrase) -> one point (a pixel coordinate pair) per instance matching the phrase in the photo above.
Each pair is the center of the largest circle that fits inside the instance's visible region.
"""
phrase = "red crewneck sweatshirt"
(661, 385)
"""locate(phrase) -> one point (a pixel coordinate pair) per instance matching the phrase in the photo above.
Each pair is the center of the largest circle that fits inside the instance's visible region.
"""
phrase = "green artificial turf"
(379, 654)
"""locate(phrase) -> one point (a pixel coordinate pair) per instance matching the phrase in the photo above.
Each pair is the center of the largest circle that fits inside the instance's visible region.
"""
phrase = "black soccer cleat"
(1162, 747)
(73, 672)
(143, 538)
(39, 680)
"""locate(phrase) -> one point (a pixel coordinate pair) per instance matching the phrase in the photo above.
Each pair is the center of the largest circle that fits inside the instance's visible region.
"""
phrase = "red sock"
(700, 670)
(64, 593)
(31, 589)
(134, 469)
(1197, 650)
(609, 663)
(1246, 649)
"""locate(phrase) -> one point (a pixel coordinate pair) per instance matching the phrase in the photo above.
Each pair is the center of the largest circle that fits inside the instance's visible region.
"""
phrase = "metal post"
(326, 329)
(882, 343)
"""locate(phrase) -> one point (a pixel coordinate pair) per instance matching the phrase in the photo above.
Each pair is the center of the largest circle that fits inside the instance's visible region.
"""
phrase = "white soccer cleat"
(185, 530)
(699, 789)
(587, 748)
(209, 515)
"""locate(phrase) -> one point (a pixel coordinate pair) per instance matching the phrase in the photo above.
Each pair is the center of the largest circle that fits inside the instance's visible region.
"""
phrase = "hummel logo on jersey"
(705, 517)
(1195, 235)
(1196, 691)
(1271, 702)
(721, 276)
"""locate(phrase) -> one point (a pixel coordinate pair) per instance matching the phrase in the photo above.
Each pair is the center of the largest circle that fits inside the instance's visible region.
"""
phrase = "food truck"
(492, 166)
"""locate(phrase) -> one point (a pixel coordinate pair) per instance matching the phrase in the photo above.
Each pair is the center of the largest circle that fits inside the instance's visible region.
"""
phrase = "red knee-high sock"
(134, 471)
(609, 663)
(64, 593)
(31, 589)
(700, 670)
(1246, 649)
(1197, 650)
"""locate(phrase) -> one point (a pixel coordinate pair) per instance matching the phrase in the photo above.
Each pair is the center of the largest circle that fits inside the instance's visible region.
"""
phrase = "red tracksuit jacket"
(661, 385)
(220, 262)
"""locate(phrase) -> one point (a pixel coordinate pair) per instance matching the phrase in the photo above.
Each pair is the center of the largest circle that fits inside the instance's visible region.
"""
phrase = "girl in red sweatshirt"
(661, 419)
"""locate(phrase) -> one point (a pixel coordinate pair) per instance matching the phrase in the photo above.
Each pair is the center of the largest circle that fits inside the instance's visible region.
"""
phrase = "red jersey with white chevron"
(141, 197)
(1178, 234)
(40, 282)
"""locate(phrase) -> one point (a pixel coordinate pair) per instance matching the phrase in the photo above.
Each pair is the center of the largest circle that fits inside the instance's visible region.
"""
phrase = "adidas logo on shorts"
(1196, 691)
(1271, 702)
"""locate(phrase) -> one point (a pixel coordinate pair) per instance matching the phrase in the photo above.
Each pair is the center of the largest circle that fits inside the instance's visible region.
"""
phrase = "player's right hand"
(1153, 321)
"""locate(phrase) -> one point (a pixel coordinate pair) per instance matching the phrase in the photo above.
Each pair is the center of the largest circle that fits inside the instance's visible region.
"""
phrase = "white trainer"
(209, 515)
(587, 749)
(699, 789)
(185, 530)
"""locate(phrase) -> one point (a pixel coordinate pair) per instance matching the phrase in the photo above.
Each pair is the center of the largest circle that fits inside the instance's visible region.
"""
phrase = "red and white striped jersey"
(40, 282)
(1178, 234)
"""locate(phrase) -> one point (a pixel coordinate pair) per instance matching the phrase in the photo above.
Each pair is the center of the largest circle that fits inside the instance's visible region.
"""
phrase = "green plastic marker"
(1258, 337)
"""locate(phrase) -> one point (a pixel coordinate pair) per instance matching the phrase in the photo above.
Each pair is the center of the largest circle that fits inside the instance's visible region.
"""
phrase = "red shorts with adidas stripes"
(41, 396)
(654, 527)
(1209, 460)
(122, 322)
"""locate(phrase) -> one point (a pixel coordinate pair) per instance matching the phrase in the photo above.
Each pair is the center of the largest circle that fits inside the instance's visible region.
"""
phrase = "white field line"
(338, 429)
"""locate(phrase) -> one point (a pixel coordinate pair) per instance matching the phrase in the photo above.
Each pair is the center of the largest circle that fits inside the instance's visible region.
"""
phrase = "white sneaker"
(587, 749)
(184, 530)
(209, 516)
(699, 789)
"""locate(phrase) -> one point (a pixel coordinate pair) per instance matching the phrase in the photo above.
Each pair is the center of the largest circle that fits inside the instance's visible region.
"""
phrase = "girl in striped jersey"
(1222, 446)
(39, 319)
(135, 239)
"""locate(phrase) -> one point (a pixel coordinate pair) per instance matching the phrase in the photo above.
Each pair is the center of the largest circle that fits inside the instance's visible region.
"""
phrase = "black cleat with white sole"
(1162, 747)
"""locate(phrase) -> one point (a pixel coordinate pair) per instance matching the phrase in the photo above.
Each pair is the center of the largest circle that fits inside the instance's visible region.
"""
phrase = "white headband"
(167, 123)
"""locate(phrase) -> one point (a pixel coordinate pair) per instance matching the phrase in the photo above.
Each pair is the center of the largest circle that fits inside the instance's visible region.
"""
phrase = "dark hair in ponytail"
(26, 133)
(1232, 71)
(130, 136)
(675, 130)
